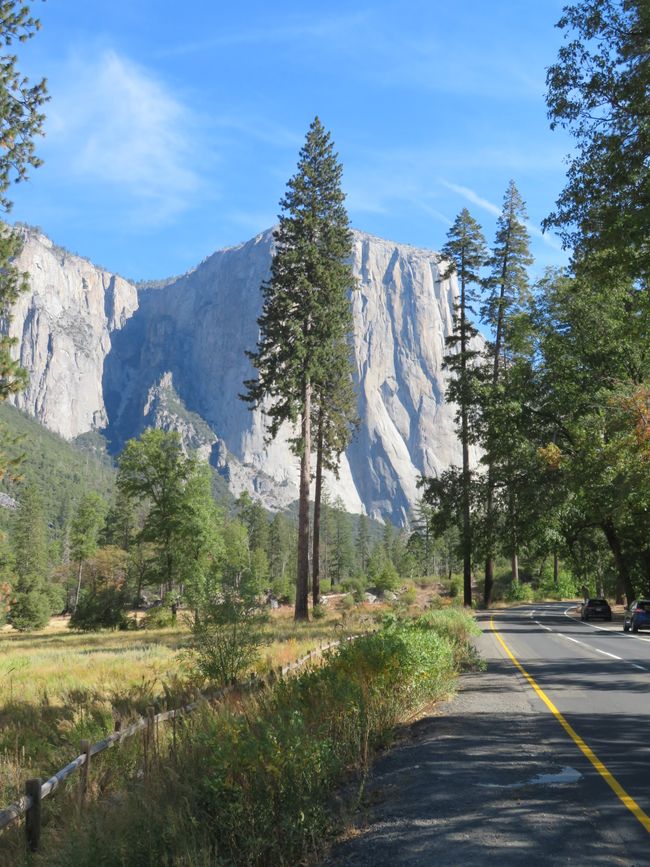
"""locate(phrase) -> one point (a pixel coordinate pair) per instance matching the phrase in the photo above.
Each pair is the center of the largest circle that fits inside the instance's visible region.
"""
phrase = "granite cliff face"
(102, 355)
(64, 327)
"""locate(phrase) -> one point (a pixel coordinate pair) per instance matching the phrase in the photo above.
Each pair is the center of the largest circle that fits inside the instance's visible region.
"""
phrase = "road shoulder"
(488, 777)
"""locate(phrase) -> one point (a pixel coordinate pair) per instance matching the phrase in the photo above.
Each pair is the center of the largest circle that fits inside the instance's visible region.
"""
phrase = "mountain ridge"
(95, 346)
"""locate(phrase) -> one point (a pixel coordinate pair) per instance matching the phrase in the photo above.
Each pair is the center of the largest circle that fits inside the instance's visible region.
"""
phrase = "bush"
(227, 635)
(318, 612)
(409, 597)
(347, 603)
(29, 610)
(105, 609)
(457, 626)
(519, 592)
(158, 617)
(355, 586)
(387, 577)
(256, 787)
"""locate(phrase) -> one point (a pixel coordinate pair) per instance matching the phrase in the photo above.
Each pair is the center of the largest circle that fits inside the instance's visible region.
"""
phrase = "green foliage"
(30, 541)
(256, 787)
(104, 609)
(21, 121)
(59, 469)
(180, 522)
(598, 89)
(303, 357)
(29, 610)
(227, 630)
(158, 617)
(386, 577)
(309, 274)
(409, 596)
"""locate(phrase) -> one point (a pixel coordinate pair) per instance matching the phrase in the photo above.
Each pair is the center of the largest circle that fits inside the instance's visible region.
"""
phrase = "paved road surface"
(494, 777)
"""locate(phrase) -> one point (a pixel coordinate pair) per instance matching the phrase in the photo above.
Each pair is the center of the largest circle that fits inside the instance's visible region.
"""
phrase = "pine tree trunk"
(315, 558)
(489, 582)
(76, 601)
(488, 585)
(467, 529)
(515, 566)
(301, 611)
(489, 506)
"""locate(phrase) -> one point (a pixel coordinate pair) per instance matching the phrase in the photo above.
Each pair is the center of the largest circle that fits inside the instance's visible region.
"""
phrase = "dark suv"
(595, 608)
(637, 614)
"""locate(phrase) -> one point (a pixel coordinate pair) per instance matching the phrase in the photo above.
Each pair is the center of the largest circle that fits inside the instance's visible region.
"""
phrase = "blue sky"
(172, 130)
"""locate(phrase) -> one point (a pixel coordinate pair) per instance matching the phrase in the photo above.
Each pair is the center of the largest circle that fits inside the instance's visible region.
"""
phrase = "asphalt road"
(545, 763)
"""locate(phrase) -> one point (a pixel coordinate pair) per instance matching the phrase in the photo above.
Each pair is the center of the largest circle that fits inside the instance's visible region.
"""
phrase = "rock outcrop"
(101, 355)
(64, 328)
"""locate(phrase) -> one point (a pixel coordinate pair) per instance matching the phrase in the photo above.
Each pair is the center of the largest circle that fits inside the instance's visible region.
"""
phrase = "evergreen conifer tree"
(30, 602)
(363, 543)
(305, 314)
(508, 287)
(466, 253)
(21, 121)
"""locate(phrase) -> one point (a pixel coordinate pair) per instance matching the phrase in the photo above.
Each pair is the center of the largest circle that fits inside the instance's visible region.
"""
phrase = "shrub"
(158, 617)
(105, 609)
(227, 634)
(29, 610)
(355, 586)
(347, 602)
(318, 612)
(387, 577)
(519, 592)
(409, 597)
(256, 787)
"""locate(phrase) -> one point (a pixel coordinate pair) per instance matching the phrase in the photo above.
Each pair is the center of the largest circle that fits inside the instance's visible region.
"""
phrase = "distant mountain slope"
(103, 356)
(62, 470)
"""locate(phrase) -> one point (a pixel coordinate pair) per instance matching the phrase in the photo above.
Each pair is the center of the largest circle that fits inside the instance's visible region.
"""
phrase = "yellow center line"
(609, 778)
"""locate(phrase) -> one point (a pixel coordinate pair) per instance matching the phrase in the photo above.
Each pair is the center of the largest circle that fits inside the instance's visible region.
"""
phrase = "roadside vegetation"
(265, 778)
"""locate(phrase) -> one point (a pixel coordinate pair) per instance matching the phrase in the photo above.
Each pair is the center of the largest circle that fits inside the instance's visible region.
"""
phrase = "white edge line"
(603, 628)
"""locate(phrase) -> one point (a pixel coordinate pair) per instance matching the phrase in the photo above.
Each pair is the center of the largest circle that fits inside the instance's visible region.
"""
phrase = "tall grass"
(58, 687)
(253, 783)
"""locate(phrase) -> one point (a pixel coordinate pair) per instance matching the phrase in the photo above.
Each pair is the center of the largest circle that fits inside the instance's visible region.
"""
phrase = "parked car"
(595, 608)
(637, 614)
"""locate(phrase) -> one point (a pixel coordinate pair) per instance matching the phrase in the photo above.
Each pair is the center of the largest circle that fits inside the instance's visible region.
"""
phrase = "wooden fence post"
(85, 772)
(33, 815)
(151, 734)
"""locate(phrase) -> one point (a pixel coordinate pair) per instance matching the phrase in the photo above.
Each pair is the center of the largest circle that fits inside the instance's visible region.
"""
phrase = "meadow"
(261, 777)
(58, 686)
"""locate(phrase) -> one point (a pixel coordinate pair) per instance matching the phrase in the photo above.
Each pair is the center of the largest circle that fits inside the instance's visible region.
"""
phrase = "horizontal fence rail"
(36, 790)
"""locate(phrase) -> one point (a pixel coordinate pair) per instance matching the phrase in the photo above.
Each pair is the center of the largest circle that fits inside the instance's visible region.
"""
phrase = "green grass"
(253, 781)
(59, 686)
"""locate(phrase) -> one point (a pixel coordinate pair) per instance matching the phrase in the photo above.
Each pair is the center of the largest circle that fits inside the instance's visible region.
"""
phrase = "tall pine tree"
(21, 120)
(305, 314)
(508, 287)
(466, 253)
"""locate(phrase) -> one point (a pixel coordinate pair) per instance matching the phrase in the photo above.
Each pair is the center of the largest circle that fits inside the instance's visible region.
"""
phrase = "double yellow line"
(609, 778)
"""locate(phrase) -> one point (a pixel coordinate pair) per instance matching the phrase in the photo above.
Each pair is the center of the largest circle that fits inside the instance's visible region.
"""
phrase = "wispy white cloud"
(490, 207)
(298, 30)
(115, 124)
(473, 197)
(434, 212)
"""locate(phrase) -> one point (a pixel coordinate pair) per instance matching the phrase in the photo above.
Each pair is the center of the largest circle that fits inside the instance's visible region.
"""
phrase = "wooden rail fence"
(30, 805)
